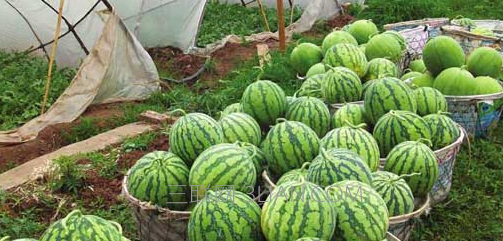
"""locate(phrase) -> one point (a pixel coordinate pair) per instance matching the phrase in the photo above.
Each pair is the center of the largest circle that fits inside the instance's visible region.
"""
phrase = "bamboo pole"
(292, 7)
(281, 27)
(261, 7)
(53, 54)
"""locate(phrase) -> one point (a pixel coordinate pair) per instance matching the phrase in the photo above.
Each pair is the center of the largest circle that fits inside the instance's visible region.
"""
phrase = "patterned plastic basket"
(403, 225)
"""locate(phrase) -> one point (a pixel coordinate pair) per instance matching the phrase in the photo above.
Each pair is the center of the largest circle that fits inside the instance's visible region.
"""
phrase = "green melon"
(290, 100)
(336, 165)
(485, 61)
(487, 85)
(318, 68)
(379, 67)
(387, 94)
(444, 131)
(297, 209)
(361, 212)
(383, 46)
(483, 31)
(456, 81)
(193, 133)
(156, 176)
(399, 38)
(394, 191)
(410, 157)
(337, 37)
(304, 56)
(296, 175)
(362, 30)
(362, 47)
(265, 101)
(312, 86)
(397, 127)
(312, 112)
(441, 53)
(220, 165)
(257, 155)
(288, 145)
(240, 127)
(465, 22)
(411, 75)
(225, 215)
(341, 85)
(417, 66)
(349, 56)
(356, 139)
(232, 108)
(77, 226)
(424, 80)
(429, 101)
(352, 113)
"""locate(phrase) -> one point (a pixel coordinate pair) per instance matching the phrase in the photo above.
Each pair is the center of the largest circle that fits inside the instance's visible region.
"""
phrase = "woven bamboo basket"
(391, 237)
(403, 225)
(446, 158)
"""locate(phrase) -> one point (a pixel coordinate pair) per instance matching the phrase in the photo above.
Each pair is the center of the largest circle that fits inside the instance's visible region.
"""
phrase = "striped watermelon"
(336, 165)
(295, 210)
(410, 76)
(361, 212)
(232, 108)
(258, 156)
(341, 85)
(429, 101)
(158, 174)
(240, 127)
(349, 56)
(312, 86)
(398, 37)
(288, 145)
(352, 113)
(290, 100)
(265, 101)
(77, 226)
(223, 164)
(294, 175)
(394, 191)
(356, 139)
(383, 46)
(387, 94)
(193, 133)
(397, 127)
(312, 112)
(444, 131)
(416, 159)
(379, 68)
(225, 215)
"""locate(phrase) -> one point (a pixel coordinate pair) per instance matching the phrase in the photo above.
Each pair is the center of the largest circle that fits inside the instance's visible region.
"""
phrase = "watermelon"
(361, 212)
(417, 160)
(297, 175)
(483, 31)
(157, 177)
(394, 191)
(366, 86)
(318, 68)
(337, 37)
(397, 127)
(336, 165)
(398, 37)
(362, 30)
(485, 61)
(362, 47)
(240, 127)
(349, 56)
(455, 81)
(379, 67)
(444, 131)
(387, 94)
(288, 145)
(223, 164)
(465, 22)
(312, 112)
(411, 75)
(383, 46)
(424, 80)
(487, 85)
(356, 139)
(265, 101)
(290, 100)
(232, 108)
(352, 113)
(312, 86)
(341, 85)
(257, 155)
(77, 226)
(417, 66)
(225, 215)
(304, 56)
(297, 209)
(193, 133)
(441, 53)
(429, 101)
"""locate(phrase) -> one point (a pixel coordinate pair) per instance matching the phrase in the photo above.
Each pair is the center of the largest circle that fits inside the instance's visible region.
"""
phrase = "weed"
(139, 143)
(87, 127)
(66, 175)
(105, 164)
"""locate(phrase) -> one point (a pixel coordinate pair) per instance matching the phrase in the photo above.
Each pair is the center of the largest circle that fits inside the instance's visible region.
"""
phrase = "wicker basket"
(403, 225)
(446, 158)
(391, 237)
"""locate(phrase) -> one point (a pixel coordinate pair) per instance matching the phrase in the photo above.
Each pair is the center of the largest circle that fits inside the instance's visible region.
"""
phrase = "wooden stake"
(53, 54)
(281, 27)
(292, 7)
(264, 16)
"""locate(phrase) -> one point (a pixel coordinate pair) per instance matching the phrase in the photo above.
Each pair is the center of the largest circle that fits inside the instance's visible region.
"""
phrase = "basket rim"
(461, 31)
(423, 21)
(415, 214)
(390, 235)
(474, 97)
